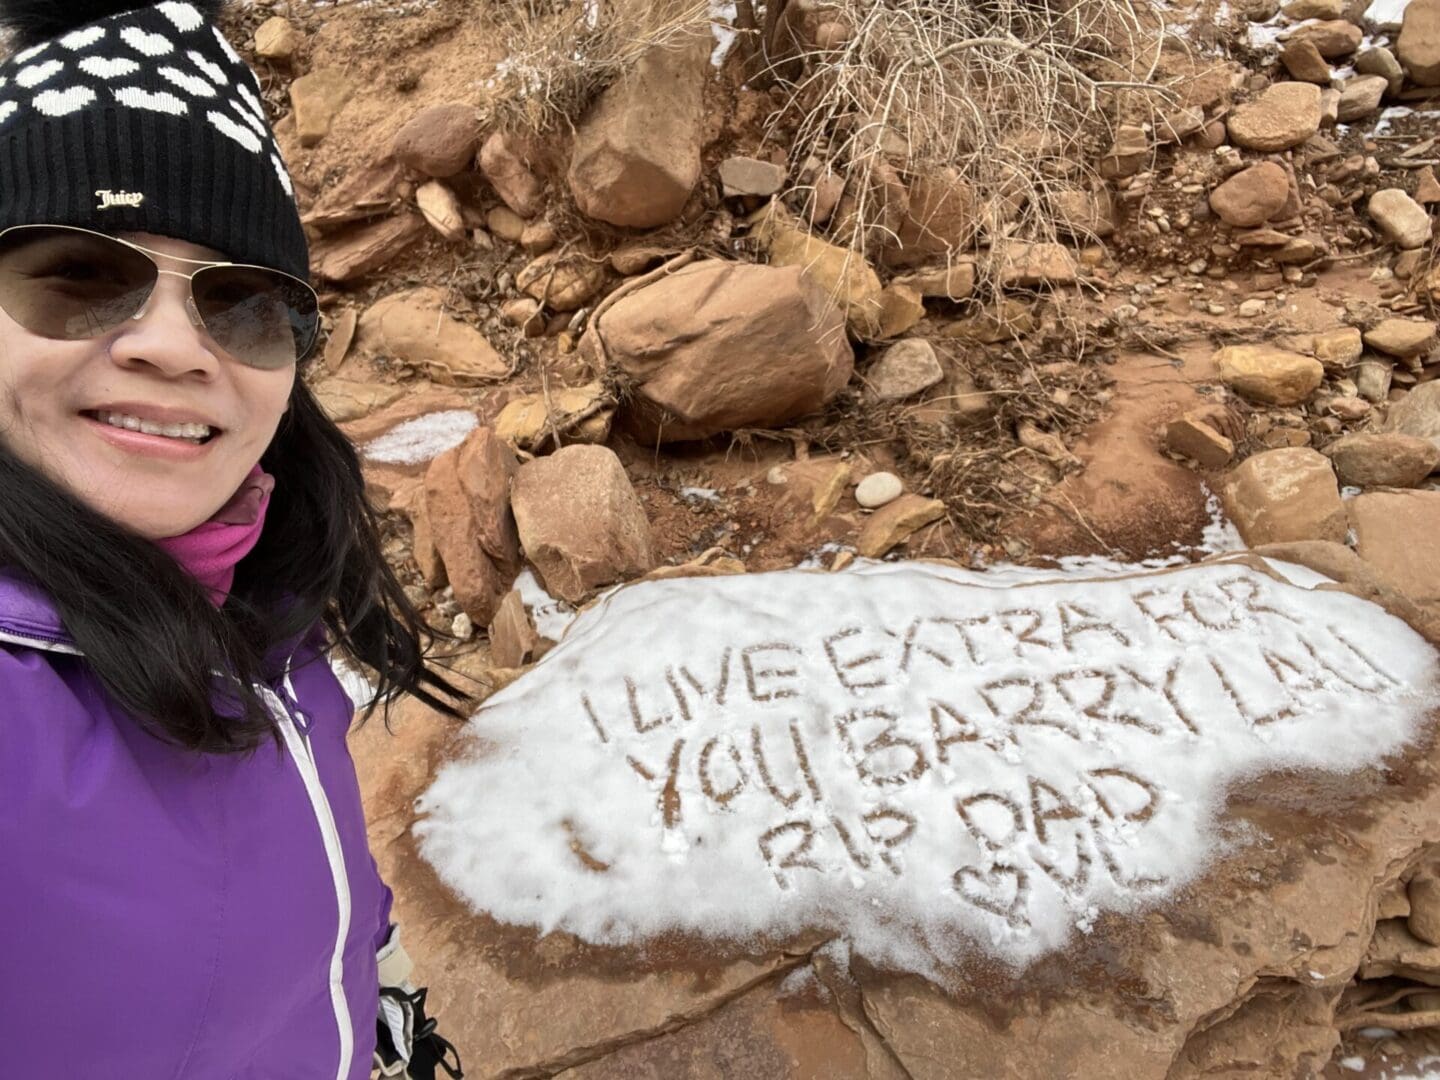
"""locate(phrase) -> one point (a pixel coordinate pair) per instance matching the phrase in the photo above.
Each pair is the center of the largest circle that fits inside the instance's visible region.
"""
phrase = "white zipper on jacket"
(44, 644)
(299, 747)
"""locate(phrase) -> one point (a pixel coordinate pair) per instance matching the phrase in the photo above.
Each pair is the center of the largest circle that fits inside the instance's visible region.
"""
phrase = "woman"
(186, 888)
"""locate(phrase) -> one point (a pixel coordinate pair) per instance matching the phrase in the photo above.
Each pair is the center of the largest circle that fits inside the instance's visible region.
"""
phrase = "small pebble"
(877, 489)
(1249, 309)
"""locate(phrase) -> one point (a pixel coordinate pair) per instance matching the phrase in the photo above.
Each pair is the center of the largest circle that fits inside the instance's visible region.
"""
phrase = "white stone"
(877, 489)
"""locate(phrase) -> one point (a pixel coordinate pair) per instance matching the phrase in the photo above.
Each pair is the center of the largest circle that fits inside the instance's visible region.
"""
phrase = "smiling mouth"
(194, 434)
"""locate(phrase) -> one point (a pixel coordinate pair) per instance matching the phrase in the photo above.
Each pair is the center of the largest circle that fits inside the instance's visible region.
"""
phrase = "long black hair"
(159, 646)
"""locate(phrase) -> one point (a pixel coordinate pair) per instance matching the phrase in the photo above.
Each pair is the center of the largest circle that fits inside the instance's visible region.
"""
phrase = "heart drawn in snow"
(1001, 890)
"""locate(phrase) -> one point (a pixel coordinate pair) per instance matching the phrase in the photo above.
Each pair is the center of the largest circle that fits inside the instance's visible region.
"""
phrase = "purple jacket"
(166, 914)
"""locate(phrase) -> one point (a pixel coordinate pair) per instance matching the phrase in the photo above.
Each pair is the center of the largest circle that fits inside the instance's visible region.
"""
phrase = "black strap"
(429, 1049)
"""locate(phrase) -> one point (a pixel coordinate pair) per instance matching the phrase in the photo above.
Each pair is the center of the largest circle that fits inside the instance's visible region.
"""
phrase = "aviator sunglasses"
(68, 284)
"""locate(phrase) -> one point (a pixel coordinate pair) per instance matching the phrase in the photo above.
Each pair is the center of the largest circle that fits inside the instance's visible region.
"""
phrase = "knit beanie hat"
(125, 116)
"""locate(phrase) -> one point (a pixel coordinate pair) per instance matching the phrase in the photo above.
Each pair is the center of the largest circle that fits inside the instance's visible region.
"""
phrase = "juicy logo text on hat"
(110, 198)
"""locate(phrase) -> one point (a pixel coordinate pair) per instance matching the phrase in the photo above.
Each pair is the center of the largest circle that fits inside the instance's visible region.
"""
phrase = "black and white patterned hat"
(131, 117)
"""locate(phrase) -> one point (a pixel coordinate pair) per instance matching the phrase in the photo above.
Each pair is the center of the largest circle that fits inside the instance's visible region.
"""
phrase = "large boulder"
(345, 400)
(1343, 566)
(1402, 337)
(1193, 437)
(636, 157)
(1378, 60)
(1417, 413)
(1361, 97)
(505, 161)
(939, 220)
(580, 521)
(1304, 62)
(1283, 495)
(315, 100)
(1082, 213)
(1285, 115)
(356, 253)
(467, 515)
(905, 369)
(1383, 459)
(1398, 534)
(1339, 349)
(1269, 375)
(894, 522)
(1332, 38)
(277, 39)
(439, 140)
(718, 346)
(774, 825)
(1300, 10)
(1419, 46)
(1020, 263)
(413, 326)
(1403, 221)
(1252, 196)
(842, 272)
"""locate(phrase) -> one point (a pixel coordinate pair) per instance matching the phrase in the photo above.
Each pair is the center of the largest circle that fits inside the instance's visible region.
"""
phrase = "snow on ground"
(1391, 113)
(423, 438)
(551, 616)
(1386, 13)
(921, 759)
(1431, 1067)
(1424, 1068)
(722, 26)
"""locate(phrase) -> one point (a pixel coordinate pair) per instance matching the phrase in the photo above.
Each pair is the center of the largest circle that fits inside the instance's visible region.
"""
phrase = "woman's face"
(160, 368)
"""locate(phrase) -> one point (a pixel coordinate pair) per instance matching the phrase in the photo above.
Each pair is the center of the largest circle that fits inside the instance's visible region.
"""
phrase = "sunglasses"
(70, 284)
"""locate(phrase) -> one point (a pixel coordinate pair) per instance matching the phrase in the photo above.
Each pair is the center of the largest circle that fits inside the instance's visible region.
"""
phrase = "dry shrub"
(983, 473)
(1007, 100)
(561, 53)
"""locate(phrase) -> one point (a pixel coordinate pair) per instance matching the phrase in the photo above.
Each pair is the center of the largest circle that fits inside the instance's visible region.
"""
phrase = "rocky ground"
(641, 343)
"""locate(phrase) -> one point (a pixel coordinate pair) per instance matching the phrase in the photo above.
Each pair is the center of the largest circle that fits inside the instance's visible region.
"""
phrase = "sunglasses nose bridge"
(195, 319)
(190, 309)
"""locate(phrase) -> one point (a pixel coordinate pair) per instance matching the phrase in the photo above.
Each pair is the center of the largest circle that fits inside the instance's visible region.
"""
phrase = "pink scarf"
(210, 551)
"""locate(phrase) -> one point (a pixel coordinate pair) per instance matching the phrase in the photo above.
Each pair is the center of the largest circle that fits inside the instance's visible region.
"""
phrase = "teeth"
(188, 432)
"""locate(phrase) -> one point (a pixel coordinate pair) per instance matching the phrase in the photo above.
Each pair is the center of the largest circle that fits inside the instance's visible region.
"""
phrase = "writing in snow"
(919, 701)
(905, 755)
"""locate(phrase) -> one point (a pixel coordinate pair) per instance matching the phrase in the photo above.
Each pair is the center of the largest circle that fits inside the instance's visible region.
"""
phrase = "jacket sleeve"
(390, 955)
(385, 929)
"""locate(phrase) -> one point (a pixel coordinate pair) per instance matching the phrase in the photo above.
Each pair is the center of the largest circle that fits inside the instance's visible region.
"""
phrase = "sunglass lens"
(260, 317)
(68, 285)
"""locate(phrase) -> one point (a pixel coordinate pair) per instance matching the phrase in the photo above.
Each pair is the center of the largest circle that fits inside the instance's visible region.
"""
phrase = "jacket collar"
(27, 614)
(28, 617)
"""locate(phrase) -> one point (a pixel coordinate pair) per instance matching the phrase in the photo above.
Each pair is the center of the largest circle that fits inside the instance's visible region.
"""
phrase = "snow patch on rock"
(923, 760)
